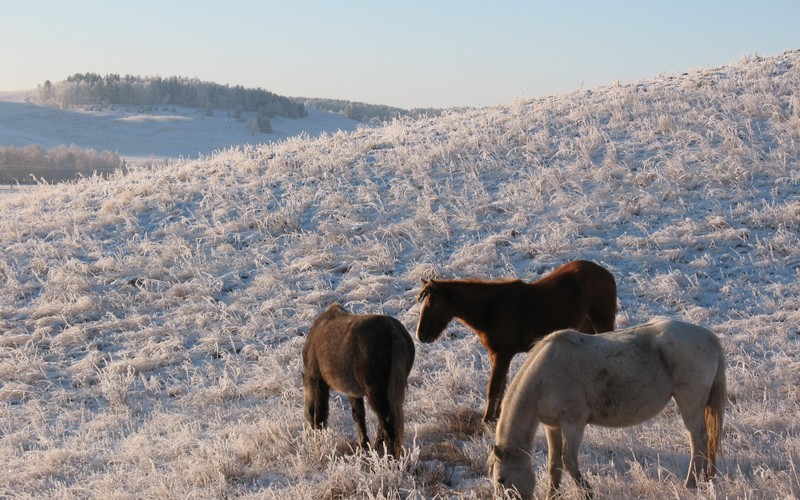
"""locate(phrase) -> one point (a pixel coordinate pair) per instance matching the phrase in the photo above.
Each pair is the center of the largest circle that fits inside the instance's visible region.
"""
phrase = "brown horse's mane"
(336, 308)
(432, 285)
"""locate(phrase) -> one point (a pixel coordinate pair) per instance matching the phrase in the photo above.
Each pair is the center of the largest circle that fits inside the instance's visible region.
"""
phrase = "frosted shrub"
(115, 387)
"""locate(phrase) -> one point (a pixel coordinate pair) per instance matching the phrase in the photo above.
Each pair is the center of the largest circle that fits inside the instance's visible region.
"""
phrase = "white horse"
(616, 379)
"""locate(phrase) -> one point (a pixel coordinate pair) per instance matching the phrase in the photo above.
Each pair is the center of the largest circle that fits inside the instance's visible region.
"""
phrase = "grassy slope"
(151, 324)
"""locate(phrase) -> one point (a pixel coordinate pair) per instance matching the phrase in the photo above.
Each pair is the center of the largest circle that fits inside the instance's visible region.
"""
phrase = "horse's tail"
(402, 359)
(715, 413)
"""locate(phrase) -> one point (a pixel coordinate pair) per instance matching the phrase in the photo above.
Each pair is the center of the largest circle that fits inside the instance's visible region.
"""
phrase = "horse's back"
(623, 377)
(686, 353)
(348, 349)
(377, 329)
(674, 338)
(329, 332)
(582, 273)
(676, 341)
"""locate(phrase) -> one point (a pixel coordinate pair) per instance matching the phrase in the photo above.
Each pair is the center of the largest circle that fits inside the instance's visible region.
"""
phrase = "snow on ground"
(163, 133)
(151, 324)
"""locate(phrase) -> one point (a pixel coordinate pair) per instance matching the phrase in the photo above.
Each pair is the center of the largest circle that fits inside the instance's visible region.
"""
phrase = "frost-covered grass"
(151, 324)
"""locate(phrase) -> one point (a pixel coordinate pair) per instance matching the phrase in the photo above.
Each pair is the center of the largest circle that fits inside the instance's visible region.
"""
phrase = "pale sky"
(409, 53)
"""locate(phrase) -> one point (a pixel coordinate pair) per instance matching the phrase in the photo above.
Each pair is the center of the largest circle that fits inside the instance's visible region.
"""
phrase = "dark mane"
(433, 285)
(335, 309)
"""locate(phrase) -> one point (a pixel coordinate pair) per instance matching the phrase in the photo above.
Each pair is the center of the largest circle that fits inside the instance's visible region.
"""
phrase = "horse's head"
(436, 312)
(512, 471)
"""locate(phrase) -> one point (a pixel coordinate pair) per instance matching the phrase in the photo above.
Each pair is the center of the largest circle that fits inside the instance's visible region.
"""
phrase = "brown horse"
(359, 355)
(509, 316)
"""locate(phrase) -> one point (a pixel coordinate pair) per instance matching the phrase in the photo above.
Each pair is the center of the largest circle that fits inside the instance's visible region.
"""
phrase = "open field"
(151, 324)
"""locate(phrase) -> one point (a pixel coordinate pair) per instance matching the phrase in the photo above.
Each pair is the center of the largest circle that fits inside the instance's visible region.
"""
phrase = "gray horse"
(617, 379)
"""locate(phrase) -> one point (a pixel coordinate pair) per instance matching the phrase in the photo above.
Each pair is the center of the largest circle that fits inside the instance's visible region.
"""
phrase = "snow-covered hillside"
(151, 324)
(160, 134)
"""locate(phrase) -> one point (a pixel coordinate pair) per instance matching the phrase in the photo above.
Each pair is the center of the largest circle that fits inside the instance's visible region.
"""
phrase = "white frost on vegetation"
(151, 324)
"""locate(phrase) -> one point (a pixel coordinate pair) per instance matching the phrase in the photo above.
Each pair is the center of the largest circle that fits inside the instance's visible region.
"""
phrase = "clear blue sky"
(410, 53)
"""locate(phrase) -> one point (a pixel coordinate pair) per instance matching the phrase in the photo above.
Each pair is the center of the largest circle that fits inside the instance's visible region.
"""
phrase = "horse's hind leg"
(587, 326)
(603, 313)
(387, 423)
(693, 415)
(357, 409)
(317, 394)
(572, 435)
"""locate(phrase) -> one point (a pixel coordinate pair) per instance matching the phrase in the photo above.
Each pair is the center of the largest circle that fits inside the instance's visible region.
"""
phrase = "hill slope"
(151, 324)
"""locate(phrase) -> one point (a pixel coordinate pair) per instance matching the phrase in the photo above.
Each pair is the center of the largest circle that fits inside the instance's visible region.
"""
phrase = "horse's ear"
(424, 291)
(498, 452)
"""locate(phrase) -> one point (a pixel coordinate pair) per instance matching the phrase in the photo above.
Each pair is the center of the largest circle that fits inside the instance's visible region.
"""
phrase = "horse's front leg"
(497, 385)
(359, 416)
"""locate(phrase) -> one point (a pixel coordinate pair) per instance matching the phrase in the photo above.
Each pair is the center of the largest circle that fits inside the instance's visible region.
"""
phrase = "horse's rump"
(361, 356)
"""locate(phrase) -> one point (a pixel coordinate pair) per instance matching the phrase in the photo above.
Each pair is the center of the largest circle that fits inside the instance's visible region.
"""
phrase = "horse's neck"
(469, 301)
(519, 417)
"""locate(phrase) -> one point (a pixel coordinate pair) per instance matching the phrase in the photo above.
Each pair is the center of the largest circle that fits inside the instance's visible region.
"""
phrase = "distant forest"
(368, 113)
(32, 164)
(91, 89)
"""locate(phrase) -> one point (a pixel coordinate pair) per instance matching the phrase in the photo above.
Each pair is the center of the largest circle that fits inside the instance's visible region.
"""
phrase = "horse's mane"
(498, 281)
(336, 309)
(429, 286)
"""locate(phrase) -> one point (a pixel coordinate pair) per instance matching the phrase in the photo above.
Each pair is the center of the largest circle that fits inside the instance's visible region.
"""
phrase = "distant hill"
(363, 112)
(147, 119)
(144, 134)
(33, 164)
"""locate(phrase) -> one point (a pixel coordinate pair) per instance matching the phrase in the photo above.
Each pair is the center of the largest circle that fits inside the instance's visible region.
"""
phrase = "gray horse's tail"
(715, 413)
(402, 360)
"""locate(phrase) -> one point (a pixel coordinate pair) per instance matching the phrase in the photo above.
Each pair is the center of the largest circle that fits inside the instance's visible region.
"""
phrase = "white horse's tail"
(715, 413)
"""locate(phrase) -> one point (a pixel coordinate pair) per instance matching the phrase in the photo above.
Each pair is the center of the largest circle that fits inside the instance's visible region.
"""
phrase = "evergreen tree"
(264, 125)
